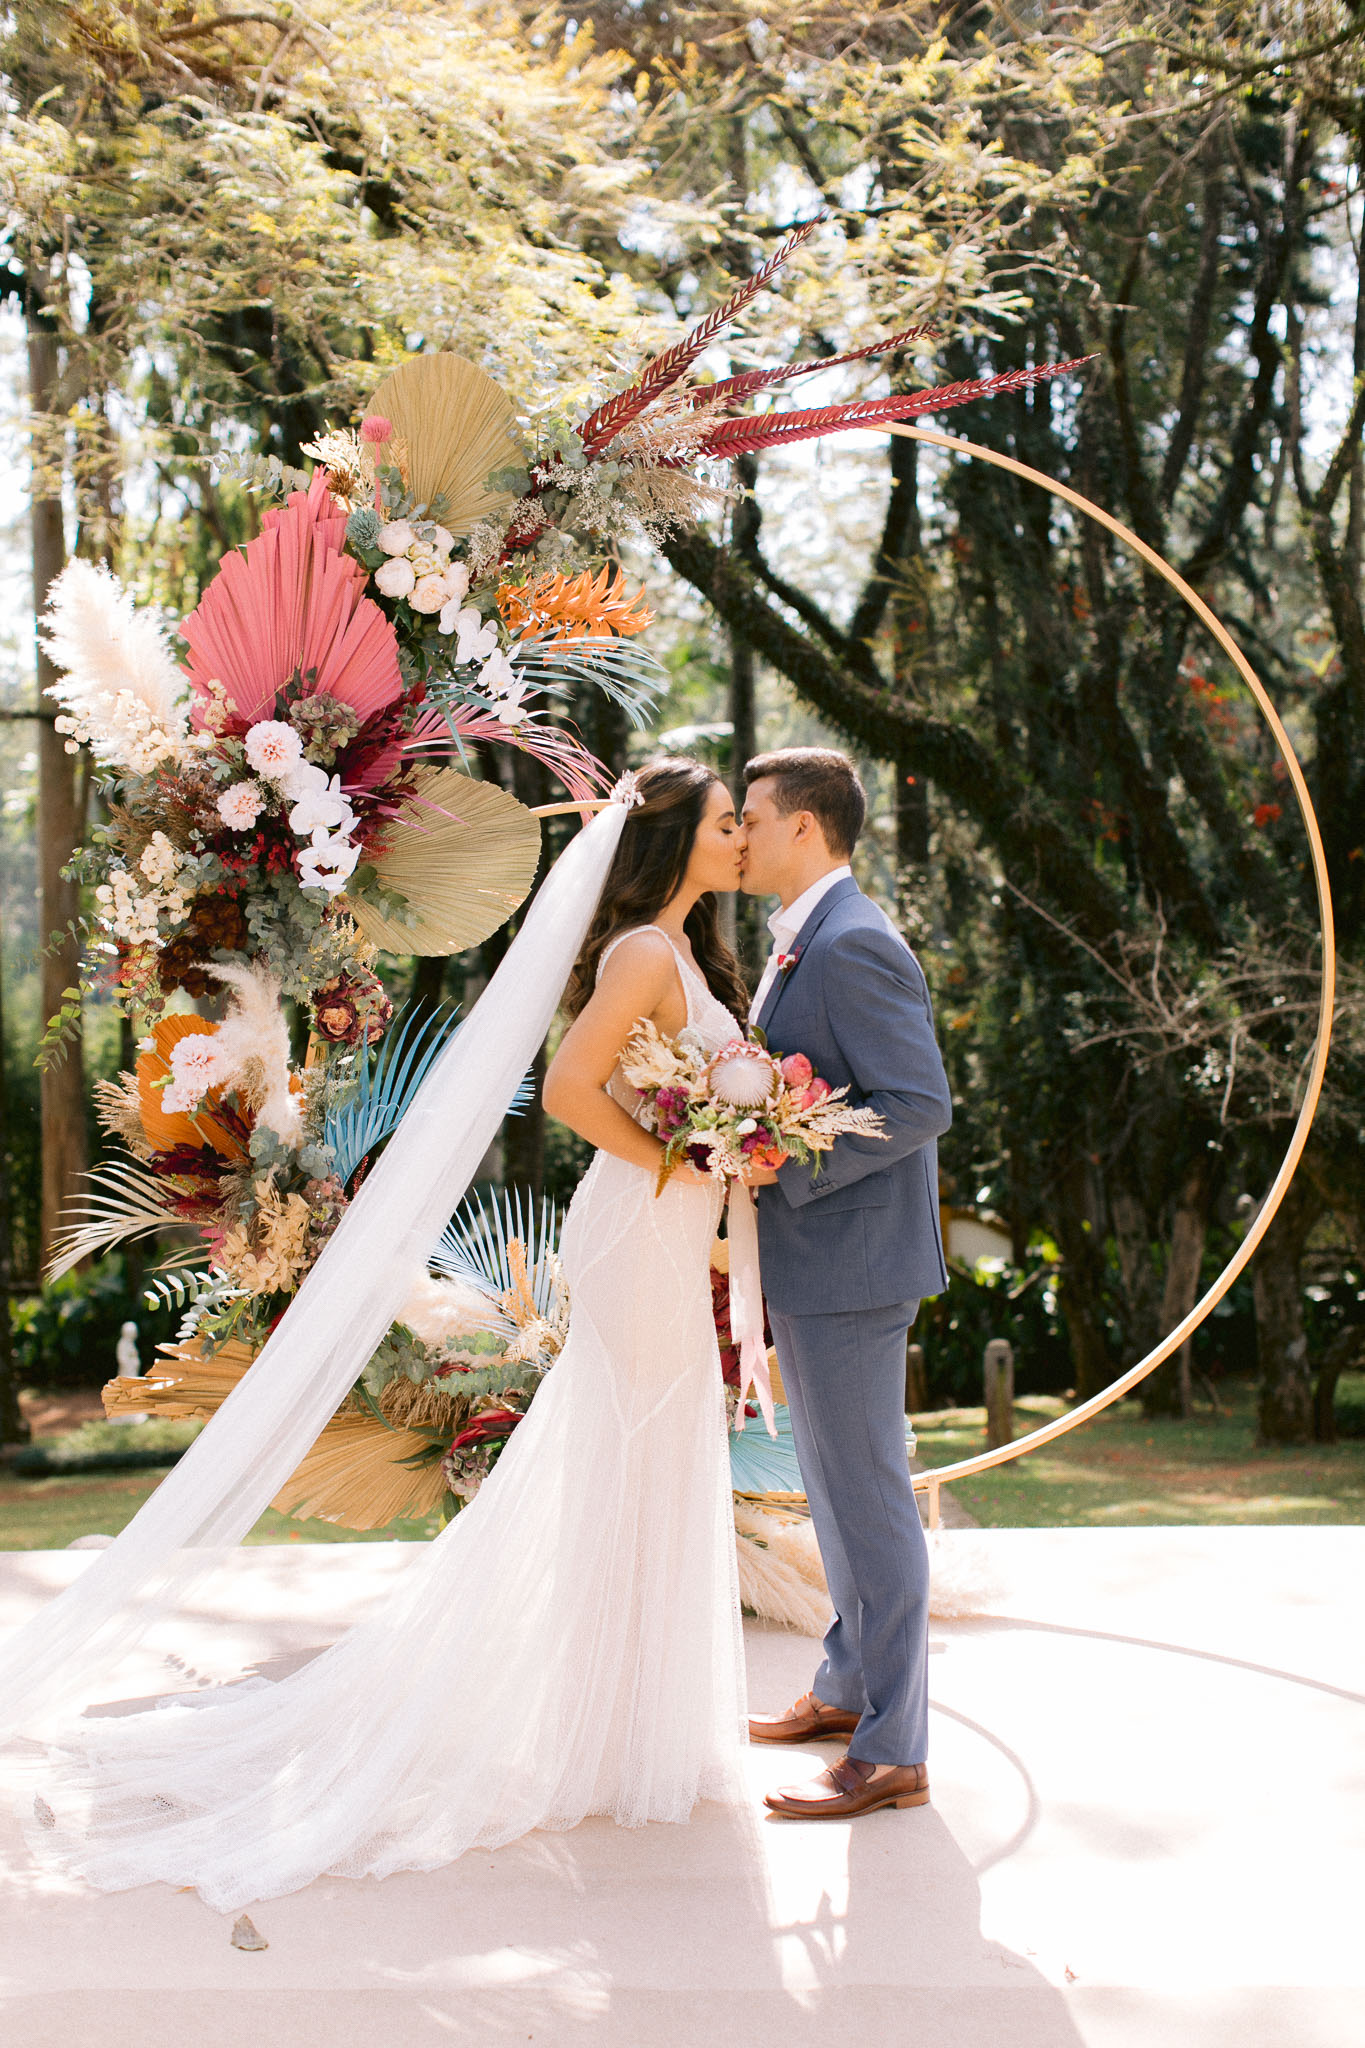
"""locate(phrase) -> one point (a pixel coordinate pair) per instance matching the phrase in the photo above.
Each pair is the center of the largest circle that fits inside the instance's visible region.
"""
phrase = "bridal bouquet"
(736, 1108)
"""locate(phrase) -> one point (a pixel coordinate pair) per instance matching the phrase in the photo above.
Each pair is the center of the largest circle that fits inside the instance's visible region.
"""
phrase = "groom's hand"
(759, 1176)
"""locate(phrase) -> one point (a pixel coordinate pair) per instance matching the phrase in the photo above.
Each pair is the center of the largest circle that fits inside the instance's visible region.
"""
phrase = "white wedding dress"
(569, 1645)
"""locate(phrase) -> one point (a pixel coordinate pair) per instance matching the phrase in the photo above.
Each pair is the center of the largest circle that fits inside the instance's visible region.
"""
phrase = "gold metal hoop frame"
(930, 1482)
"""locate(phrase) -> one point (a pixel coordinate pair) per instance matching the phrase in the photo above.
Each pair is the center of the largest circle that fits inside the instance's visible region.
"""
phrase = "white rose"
(429, 595)
(456, 580)
(396, 577)
(438, 538)
(397, 537)
(425, 560)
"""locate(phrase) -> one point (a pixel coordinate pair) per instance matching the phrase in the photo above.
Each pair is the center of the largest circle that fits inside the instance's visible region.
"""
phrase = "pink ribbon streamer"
(746, 1306)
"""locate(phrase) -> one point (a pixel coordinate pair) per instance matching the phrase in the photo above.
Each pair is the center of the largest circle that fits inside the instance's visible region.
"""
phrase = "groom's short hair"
(819, 780)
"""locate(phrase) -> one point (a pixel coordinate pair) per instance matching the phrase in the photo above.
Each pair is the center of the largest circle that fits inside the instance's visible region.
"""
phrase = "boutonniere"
(786, 961)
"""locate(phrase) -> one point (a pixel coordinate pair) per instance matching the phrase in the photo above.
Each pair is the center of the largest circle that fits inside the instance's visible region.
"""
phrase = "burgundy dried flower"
(351, 1008)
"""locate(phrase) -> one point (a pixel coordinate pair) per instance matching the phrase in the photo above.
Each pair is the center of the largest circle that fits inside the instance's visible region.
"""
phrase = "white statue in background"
(129, 1364)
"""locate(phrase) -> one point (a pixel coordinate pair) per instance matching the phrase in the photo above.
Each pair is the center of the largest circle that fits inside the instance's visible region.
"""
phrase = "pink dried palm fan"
(292, 604)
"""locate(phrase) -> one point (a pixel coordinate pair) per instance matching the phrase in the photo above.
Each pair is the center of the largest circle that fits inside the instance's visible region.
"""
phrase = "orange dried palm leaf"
(562, 609)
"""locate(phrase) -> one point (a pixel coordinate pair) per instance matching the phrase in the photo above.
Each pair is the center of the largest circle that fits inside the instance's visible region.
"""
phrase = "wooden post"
(999, 1376)
(916, 1383)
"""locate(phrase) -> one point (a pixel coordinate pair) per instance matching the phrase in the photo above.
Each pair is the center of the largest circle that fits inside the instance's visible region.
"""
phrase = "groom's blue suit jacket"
(863, 1232)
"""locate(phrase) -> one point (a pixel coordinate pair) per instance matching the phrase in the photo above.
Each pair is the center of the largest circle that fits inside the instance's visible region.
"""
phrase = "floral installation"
(741, 1107)
(295, 779)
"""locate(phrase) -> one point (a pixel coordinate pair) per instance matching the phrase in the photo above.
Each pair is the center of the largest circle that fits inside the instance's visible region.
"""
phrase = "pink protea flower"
(742, 1075)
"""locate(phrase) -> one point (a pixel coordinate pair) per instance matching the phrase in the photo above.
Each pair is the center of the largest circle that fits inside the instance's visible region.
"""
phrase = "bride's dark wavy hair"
(647, 872)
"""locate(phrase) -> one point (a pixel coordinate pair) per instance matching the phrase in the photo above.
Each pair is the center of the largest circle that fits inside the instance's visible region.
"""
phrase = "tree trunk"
(1167, 1390)
(60, 828)
(1081, 1283)
(1285, 1403)
(750, 936)
(13, 1428)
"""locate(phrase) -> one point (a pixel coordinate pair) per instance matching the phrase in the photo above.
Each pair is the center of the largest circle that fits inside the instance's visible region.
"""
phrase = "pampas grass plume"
(108, 645)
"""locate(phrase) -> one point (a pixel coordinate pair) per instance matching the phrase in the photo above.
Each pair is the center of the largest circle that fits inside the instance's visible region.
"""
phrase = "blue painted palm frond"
(385, 1087)
(760, 1463)
(629, 675)
(476, 1244)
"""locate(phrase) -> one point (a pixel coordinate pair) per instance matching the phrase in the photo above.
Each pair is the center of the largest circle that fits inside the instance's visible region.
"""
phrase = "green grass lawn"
(1122, 1470)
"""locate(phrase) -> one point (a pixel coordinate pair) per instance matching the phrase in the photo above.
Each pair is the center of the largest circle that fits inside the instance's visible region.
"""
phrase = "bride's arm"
(640, 980)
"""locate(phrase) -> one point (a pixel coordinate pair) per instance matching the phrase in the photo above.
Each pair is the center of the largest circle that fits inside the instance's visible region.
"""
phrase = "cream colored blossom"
(268, 1254)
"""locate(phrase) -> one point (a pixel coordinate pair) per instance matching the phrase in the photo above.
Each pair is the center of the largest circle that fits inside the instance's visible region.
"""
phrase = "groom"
(847, 1254)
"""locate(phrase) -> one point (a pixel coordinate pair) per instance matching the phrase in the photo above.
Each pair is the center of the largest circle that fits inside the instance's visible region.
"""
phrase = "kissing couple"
(570, 1644)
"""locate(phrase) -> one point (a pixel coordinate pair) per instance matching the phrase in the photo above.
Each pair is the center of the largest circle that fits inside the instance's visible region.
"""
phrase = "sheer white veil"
(50, 1666)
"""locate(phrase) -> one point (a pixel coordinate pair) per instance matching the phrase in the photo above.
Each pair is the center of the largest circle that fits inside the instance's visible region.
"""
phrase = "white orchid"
(504, 685)
(475, 638)
(328, 862)
(456, 580)
(321, 806)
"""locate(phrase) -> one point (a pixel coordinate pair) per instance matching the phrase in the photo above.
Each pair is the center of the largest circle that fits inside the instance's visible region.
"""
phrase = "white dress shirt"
(786, 924)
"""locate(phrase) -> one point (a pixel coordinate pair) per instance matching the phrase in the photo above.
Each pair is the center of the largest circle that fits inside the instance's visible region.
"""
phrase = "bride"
(570, 1643)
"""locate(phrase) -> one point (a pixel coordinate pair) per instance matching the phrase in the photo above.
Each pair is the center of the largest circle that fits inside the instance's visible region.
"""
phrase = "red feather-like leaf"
(749, 381)
(606, 423)
(778, 429)
(559, 750)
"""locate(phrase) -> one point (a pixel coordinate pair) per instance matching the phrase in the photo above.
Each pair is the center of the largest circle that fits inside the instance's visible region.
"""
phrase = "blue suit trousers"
(845, 1380)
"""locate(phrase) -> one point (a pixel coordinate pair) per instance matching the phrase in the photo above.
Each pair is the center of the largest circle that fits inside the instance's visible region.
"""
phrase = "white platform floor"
(1148, 1822)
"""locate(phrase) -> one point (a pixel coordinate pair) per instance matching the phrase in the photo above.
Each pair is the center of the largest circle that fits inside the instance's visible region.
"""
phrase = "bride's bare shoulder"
(642, 953)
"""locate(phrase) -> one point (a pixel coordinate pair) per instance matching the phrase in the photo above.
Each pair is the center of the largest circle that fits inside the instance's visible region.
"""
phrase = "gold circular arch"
(930, 1482)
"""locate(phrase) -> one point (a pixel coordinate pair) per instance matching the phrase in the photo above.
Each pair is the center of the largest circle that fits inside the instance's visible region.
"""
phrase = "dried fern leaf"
(458, 426)
(463, 855)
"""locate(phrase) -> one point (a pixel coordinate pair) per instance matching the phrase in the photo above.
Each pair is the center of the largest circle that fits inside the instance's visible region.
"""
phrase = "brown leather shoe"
(849, 1788)
(810, 1720)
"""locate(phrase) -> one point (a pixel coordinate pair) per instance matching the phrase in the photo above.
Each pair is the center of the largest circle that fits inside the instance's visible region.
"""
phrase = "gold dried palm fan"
(463, 855)
(457, 426)
(185, 1385)
(353, 1475)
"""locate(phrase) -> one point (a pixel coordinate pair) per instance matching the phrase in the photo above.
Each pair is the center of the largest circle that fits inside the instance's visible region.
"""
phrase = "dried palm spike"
(413, 1404)
(562, 609)
(118, 1108)
(458, 425)
(518, 1301)
(463, 855)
